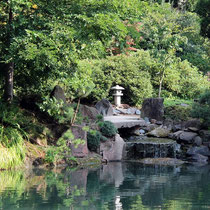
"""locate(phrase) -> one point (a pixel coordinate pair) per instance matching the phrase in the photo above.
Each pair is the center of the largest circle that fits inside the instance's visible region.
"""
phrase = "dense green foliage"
(47, 43)
(202, 8)
(151, 48)
(62, 151)
(178, 112)
(177, 109)
(93, 140)
(201, 109)
(107, 128)
(16, 126)
(129, 72)
(139, 75)
(56, 109)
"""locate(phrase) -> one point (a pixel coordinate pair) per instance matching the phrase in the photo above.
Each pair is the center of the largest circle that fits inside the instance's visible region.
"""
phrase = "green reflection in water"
(113, 186)
(36, 189)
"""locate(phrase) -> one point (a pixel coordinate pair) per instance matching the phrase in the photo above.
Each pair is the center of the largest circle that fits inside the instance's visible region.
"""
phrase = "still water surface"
(113, 186)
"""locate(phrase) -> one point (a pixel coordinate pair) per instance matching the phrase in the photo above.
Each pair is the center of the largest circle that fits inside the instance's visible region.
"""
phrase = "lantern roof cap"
(117, 87)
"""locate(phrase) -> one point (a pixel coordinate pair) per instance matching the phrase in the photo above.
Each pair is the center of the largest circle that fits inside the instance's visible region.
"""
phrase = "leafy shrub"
(192, 82)
(51, 155)
(57, 109)
(140, 73)
(181, 78)
(99, 118)
(178, 112)
(94, 137)
(93, 140)
(103, 139)
(201, 109)
(127, 71)
(197, 54)
(62, 149)
(107, 128)
(176, 101)
(202, 8)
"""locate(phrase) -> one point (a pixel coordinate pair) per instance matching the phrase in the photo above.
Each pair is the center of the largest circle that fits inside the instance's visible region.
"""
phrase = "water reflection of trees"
(36, 190)
(147, 187)
(163, 187)
(114, 186)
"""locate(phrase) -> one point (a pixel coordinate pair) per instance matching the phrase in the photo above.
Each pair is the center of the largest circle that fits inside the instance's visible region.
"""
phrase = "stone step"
(126, 121)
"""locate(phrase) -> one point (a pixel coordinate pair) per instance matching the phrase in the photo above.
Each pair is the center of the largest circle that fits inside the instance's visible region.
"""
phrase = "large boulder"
(205, 135)
(159, 132)
(187, 137)
(197, 141)
(199, 158)
(175, 135)
(112, 150)
(192, 123)
(104, 107)
(153, 108)
(82, 149)
(202, 150)
(89, 112)
(58, 93)
(150, 127)
(177, 127)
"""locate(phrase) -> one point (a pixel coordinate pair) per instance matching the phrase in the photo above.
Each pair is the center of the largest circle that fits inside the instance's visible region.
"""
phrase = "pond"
(113, 186)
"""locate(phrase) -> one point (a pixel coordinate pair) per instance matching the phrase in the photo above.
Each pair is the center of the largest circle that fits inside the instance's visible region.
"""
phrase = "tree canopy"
(44, 43)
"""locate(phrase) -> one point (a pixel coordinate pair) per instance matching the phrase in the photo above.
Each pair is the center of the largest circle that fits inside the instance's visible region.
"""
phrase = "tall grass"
(12, 149)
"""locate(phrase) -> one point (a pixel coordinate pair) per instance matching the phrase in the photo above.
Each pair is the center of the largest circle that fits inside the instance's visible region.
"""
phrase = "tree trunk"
(181, 5)
(161, 82)
(75, 113)
(8, 88)
(9, 68)
(160, 88)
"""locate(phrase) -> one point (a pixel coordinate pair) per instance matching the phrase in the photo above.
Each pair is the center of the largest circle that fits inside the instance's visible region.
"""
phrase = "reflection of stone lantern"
(117, 94)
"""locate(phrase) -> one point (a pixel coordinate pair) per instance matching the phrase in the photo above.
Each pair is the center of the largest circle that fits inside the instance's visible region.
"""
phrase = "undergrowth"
(12, 147)
(62, 151)
(201, 109)
(15, 125)
(177, 109)
(176, 101)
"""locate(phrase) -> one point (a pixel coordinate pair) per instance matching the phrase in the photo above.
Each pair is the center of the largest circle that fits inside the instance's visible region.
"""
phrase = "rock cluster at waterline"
(194, 142)
(139, 138)
(183, 140)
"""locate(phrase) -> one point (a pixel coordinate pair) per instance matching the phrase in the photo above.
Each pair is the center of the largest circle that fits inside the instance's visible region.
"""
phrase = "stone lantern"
(117, 94)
